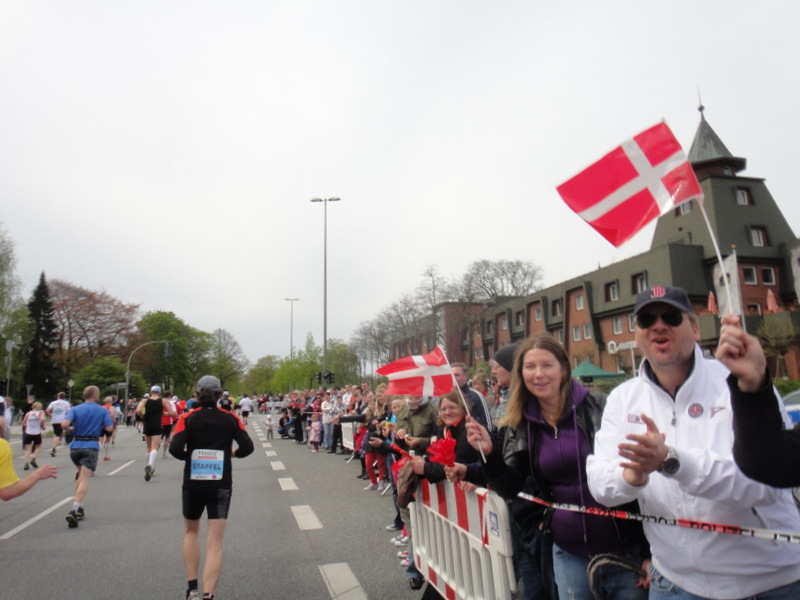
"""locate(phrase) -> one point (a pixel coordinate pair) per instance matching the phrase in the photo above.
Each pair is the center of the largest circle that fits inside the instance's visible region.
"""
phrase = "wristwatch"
(671, 463)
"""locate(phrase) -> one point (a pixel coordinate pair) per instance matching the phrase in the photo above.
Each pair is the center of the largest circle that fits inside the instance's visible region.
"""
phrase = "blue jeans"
(613, 583)
(662, 588)
(411, 570)
(535, 564)
(327, 434)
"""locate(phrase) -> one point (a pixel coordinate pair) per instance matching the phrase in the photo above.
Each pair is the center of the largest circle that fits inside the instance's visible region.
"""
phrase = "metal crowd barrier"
(462, 542)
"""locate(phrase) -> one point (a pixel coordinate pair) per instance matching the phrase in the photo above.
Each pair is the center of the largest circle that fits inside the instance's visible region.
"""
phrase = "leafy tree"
(90, 324)
(172, 368)
(342, 362)
(227, 360)
(299, 372)
(13, 313)
(106, 373)
(42, 344)
(259, 378)
(777, 337)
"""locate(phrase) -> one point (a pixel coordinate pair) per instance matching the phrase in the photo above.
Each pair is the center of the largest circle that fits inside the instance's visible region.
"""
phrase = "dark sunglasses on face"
(673, 318)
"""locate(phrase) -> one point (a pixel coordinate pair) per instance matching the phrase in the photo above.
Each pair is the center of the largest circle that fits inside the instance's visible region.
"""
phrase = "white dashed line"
(33, 520)
(342, 583)
(287, 484)
(118, 469)
(305, 517)
(271, 453)
(277, 465)
(266, 445)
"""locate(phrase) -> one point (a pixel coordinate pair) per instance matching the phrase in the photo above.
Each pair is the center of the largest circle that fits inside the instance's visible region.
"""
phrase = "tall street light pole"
(128, 368)
(291, 327)
(325, 282)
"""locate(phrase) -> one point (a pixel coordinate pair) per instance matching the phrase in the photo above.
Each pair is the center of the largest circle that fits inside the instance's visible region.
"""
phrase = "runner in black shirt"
(203, 437)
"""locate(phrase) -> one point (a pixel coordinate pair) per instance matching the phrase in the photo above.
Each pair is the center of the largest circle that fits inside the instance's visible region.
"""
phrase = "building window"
(631, 322)
(576, 333)
(616, 323)
(639, 282)
(579, 302)
(557, 307)
(504, 323)
(587, 331)
(684, 208)
(478, 354)
(537, 313)
(749, 274)
(758, 236)
(753, 309)
(612, 291)
(574, 362)
(519, 318)
(744, 197)
(489, 327)
(768, 276)
(560, 336)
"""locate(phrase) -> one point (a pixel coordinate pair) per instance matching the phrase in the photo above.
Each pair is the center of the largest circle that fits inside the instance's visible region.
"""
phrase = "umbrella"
(712, 304)
(772, 304)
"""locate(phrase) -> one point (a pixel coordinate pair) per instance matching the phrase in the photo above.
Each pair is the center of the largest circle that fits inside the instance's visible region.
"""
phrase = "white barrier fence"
(347, 435)
(462, 542)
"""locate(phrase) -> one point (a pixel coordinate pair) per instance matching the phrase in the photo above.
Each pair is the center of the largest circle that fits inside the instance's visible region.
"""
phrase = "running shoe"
(371, 486)
(34, 464)
(192, 594)
(53, 452)
(402, 554)
(381, 486)
(27, 467)
(106, 458)
(72, 519)
(79, 514)
(148, 472)
(393, 527)
(405, 562)
(400, 540)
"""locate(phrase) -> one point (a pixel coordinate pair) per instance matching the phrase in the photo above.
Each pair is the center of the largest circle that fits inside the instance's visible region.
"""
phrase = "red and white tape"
(756, 532)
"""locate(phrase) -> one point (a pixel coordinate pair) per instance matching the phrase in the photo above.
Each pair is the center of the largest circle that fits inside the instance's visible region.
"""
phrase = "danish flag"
(632, 185)
(426, 375)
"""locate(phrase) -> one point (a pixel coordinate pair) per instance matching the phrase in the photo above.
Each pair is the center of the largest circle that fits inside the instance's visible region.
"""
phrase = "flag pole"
(463, 400)
(719, 254)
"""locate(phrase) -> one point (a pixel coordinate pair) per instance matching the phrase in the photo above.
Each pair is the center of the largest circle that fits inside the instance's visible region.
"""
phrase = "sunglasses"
(673, 318)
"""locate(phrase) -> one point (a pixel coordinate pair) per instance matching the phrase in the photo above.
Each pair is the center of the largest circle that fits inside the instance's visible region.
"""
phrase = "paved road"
(129, 545)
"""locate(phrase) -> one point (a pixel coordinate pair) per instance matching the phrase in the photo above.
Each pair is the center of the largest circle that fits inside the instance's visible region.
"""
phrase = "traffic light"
(328, 376)
(319, 377)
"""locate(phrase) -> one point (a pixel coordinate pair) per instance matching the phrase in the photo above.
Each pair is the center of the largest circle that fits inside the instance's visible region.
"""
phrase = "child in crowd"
(270, 423)
(314, 432)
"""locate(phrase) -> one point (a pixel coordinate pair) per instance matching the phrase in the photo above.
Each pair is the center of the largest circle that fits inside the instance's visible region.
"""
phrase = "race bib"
(207, 465)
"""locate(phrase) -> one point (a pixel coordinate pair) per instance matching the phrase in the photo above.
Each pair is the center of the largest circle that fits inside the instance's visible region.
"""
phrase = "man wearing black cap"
(665, 440)
(204, 438)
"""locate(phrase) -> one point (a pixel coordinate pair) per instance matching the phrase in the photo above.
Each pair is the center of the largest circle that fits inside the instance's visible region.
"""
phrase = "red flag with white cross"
(633, 184)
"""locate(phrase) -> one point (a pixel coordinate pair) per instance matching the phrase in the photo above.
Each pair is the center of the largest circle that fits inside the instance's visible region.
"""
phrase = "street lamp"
(325, 281)
(128, 369)
(291, 327)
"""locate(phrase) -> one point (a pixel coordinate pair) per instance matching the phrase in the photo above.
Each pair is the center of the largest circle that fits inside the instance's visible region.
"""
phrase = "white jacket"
(707, 487)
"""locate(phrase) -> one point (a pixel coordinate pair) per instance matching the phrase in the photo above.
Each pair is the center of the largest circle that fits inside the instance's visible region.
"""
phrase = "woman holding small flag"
(548, 431)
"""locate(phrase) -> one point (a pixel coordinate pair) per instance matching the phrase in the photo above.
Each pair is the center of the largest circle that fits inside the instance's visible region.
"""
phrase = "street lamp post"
(325, 282)
(291, 327)
(128, 369)
(9, 348)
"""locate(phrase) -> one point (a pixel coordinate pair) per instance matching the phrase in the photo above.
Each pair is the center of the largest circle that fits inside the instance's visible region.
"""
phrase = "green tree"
(259, 378)
(13, 315)
(41, 370)
(227, 360)
(106, 373)
(343, 362)
(174, 367)
(300, 372)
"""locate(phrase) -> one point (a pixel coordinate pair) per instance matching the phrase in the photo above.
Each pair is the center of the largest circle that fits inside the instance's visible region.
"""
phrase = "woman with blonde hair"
(33, 424)
(550, 422)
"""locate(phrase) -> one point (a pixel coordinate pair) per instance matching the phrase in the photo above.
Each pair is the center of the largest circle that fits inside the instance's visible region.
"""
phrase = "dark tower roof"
(708, 150)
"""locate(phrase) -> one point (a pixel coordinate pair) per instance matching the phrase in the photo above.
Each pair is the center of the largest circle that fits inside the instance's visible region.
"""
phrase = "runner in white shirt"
(57, 410)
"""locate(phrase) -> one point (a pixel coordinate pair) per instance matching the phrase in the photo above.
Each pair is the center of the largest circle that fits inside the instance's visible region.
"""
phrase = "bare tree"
(486, 280)
(227, 360)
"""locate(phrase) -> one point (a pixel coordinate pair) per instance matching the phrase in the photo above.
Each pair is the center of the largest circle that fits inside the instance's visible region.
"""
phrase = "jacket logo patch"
(715, 409)
(695, 410)
(635, 419)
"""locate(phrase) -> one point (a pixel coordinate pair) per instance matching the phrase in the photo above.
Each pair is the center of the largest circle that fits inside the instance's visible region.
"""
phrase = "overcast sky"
(166, 152)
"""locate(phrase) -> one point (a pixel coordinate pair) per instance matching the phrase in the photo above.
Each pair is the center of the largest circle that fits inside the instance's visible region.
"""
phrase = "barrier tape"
(755, 532)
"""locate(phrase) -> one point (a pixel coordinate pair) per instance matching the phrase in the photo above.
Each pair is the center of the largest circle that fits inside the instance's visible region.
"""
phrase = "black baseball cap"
(674, 296)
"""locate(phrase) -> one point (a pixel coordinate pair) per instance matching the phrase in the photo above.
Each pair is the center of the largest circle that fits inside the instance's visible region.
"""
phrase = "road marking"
(305, 517)
(287, 484)
(30, 522)
(266, 445)
(342, 583)
(270, 453)
(277, 465)
(118, 469)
